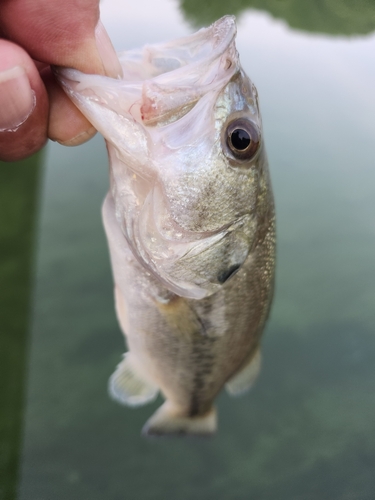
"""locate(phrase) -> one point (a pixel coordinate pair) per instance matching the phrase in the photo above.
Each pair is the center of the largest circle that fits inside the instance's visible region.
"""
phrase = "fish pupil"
(240, 139)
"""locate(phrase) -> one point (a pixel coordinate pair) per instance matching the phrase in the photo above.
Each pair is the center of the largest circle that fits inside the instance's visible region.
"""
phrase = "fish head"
(184, 136)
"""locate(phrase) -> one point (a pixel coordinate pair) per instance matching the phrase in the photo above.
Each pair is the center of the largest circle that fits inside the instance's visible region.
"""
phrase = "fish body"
(190, 222)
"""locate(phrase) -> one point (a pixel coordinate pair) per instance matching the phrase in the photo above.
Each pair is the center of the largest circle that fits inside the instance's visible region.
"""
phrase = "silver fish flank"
(190, 222)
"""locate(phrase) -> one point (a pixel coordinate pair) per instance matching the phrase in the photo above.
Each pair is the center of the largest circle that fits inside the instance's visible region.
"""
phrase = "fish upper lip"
(226, 38)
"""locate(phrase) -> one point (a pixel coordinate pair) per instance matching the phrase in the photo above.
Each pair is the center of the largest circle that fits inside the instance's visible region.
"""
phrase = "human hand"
(35, 34)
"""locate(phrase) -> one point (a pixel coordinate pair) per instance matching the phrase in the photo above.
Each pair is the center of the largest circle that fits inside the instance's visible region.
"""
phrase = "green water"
(18, 207)
(307, 430)
(339, 17)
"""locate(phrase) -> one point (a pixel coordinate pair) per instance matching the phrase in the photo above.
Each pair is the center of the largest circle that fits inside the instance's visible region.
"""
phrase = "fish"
(190, 223)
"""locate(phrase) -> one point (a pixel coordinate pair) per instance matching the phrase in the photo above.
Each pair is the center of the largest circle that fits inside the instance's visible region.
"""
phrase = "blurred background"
(307, 430)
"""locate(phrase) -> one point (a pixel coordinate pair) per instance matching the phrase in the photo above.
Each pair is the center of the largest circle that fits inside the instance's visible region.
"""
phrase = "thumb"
(65, 33)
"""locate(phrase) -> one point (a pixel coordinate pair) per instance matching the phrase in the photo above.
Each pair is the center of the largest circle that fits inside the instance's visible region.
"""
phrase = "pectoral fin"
(129, 388)
(243, 380)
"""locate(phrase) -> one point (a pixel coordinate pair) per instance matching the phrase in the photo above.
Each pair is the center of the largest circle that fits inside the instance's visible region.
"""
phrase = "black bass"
(190, 222)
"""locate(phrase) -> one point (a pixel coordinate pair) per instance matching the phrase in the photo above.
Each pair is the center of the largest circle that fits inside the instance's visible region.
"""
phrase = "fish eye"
(243, 139)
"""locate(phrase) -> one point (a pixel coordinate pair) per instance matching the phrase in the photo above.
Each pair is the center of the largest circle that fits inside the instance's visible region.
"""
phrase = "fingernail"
(80, 138)
(107, 53)
(17, 99)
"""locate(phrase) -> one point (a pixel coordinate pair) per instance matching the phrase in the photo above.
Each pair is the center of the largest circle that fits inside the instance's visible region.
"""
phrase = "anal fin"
(128, 387)
(243, 380)
(167, 421)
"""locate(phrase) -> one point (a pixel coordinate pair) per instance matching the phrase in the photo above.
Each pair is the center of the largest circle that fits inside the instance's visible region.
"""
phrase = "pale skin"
(36, 35)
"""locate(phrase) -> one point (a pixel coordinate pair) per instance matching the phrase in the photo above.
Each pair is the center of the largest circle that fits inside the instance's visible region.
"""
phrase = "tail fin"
(166, 421)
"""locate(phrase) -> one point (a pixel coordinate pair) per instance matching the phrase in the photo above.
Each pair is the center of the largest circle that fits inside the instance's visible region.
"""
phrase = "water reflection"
(307, 429)
(337, 17)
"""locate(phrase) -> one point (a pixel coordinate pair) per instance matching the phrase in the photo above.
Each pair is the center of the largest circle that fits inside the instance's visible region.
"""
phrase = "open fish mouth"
(159, 84)
(163, 137)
